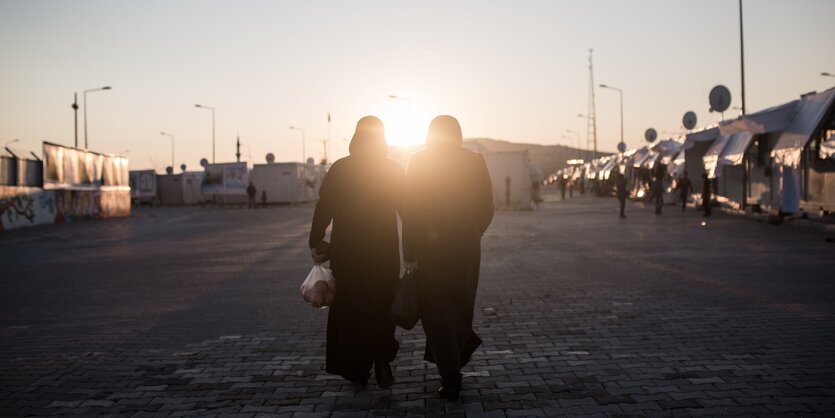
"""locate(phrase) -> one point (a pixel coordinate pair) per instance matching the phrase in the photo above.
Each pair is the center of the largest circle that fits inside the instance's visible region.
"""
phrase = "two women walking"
(445, 202)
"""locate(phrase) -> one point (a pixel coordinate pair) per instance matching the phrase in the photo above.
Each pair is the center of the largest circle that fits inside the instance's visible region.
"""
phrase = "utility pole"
(741, 57)
(75, 110)
(328, 139)
(591, 135)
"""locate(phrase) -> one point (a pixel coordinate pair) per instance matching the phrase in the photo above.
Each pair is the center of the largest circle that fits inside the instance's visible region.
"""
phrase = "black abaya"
(362, 195)
(448, 206)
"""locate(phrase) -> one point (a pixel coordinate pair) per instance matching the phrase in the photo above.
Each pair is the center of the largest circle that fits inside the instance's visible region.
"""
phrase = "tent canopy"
(735, 149)
(708, 134)
(711, 157)
(828, 148)
(810, 111)
(769, 120)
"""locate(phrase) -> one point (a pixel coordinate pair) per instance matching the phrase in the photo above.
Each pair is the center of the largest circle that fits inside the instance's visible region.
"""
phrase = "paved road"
(190, 311)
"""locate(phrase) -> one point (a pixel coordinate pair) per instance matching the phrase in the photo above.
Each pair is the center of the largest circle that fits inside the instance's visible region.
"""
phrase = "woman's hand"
(317, 258)
(410, 265)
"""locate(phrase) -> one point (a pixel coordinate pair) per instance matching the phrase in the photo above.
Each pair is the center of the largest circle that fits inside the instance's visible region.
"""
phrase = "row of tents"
(780, 159)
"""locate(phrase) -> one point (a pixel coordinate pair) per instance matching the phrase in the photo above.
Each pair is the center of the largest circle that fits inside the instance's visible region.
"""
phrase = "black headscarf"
(369, 138)
(444, 132)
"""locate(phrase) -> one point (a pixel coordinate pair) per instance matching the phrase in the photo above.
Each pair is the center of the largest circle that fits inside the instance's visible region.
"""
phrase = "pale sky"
(512, 70)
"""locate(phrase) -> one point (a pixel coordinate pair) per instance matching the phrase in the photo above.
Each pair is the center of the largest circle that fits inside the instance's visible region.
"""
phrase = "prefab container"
(510, 173)
(286, 182)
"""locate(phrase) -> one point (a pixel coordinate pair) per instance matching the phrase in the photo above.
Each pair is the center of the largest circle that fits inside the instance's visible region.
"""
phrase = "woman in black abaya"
(448, 206)
(361, 194)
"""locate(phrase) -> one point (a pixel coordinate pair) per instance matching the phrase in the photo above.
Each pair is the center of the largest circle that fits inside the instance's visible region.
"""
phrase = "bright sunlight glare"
(405, 127)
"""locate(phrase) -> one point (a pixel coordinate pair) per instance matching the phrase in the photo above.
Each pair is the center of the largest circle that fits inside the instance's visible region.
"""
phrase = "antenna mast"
(591, 135)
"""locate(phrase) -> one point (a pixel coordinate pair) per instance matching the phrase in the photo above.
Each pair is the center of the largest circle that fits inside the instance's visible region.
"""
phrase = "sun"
(404, 128)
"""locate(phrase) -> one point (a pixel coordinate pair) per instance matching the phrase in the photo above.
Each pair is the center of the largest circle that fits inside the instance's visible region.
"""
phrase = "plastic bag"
(319, 288)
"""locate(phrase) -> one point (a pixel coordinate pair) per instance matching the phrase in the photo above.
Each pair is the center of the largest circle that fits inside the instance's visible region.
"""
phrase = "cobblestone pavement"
(196, 311)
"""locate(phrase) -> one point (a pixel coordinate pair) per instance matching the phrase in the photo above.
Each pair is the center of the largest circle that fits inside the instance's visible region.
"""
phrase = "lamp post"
(85, 110)
(75, 112)
(213, 127)
(741, 57)
(578, 140)
(304, 144)
(172, 147)
(620, 92)
(825, 74)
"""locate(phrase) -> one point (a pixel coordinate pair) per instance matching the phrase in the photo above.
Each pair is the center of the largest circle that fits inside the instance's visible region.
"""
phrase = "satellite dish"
(621, 146)
(720, 98)
(183, 167)
(204, 162)
(270, 158)
(689, 120)
(310, 161)
(169, 170)
(650, 135)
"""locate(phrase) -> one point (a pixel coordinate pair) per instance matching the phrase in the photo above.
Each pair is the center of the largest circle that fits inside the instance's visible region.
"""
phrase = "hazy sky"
(513, 70)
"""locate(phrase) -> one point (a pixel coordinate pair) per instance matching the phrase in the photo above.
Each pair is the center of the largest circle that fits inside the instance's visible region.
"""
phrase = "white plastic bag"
(320, 287)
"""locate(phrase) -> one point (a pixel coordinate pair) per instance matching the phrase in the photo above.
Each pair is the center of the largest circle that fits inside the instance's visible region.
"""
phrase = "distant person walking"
(362, 195)
(563, 184)
(620, 192)
(706, 195)
(657, 192)
(685, 188)
(448, 206)
(250, 193)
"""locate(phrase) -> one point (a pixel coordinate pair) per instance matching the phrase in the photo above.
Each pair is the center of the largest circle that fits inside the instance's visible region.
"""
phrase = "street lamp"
(825, 74)
(85, 110)
(172, 147)
(620, 92)
(213, 127)
(304, 144)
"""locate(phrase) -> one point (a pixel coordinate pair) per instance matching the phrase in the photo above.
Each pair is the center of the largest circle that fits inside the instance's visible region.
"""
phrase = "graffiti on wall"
(22, 206)
(25, 206)
(77, 205)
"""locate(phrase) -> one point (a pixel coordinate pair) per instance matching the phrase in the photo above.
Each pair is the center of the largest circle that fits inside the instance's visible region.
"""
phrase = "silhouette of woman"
(448, 206)
(361, 194)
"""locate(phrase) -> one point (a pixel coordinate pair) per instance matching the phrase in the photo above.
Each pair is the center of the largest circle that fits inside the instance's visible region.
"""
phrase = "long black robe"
(448, 206)
(362, 195)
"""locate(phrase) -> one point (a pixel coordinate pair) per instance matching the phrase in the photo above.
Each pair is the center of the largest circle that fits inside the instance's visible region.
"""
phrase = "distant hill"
(550, 157)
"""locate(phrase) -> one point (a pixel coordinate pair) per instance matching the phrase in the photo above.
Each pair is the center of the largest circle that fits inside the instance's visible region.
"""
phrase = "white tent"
(810, 112)
(828, 148)
(711, 157)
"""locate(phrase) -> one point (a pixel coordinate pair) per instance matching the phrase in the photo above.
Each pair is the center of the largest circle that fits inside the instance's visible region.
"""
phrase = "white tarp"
(828, 148)
(711, 157)
(708, 134)
(676, 167)
(734, 151)
(640, 157)
(769, 120)
(810, 111)
(666, 150)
